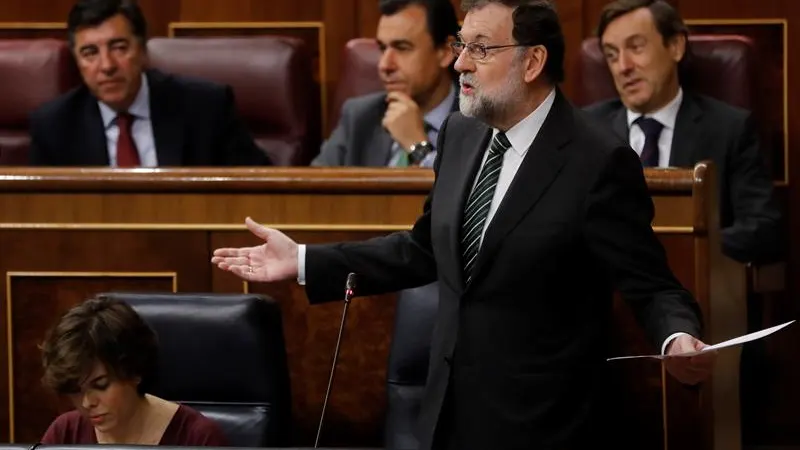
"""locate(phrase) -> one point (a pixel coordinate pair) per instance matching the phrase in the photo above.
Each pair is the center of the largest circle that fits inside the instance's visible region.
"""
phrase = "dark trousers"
(444, 437)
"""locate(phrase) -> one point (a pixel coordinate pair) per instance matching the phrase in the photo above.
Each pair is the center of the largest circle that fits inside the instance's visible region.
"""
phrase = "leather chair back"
(272, 80)
(409, 357)
(32, 72)
(720, 66)
(359, 73)
(223, 355)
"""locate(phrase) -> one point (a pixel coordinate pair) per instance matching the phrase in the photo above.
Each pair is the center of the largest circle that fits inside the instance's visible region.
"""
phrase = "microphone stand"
(348, 295)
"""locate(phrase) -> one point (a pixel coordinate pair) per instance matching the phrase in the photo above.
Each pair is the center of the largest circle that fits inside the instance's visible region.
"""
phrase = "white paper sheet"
(729, 343)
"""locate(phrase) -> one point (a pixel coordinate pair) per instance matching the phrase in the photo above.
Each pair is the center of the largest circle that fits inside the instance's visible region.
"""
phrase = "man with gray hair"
(537, 214)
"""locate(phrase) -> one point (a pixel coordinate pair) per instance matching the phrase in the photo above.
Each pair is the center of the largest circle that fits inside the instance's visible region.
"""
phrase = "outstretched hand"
(274, 260)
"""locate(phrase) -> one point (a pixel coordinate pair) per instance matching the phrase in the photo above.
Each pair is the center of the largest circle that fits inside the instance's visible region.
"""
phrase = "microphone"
(349, 290)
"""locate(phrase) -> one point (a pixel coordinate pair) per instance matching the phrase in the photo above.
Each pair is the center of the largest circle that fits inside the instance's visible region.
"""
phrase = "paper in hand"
(729, 343)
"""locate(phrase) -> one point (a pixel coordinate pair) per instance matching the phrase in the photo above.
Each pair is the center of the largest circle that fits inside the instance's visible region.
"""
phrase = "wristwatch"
(417, 152)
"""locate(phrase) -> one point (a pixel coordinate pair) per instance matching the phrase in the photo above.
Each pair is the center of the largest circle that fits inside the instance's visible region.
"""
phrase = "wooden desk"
(68, 234)
(707, 417)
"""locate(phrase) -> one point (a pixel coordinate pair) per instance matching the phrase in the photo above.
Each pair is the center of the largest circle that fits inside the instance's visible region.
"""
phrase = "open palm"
(274, 260)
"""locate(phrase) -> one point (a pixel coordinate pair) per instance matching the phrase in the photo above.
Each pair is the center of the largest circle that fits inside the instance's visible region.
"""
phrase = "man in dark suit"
(536, 215)
(125, 116)
(399, 127)
(644, 42)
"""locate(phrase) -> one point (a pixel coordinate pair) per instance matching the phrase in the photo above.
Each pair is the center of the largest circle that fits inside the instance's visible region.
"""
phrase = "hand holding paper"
(689, 369)
(729, 343)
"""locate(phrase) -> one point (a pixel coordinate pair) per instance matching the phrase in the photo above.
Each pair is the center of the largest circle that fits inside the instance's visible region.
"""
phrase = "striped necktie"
(479, 202)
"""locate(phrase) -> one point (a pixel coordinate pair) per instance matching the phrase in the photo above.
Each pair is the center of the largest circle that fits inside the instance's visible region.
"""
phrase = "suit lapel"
(93, 142)
(166, 119)
(539, 168)
(379, 150)
(685, 135)
(619, 123)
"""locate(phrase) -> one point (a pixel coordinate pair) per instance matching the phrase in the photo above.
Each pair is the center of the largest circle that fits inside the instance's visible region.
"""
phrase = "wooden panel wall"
(326, 25)
(771, 417)
(167, 223)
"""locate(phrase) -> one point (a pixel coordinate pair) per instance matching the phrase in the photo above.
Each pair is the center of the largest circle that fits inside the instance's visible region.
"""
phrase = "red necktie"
(127, 155)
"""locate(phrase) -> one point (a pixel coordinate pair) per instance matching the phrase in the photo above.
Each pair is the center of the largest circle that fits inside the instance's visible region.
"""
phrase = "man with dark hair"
(399, 127)
(645, 42)
(126, 116)
(536, 215)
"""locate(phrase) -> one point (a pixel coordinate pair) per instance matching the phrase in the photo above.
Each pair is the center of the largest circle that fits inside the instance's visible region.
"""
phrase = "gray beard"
(491, 109)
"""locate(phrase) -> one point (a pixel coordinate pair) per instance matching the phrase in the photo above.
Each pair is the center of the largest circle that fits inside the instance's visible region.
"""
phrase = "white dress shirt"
(521, 137)
(141, 130)
(667, 117)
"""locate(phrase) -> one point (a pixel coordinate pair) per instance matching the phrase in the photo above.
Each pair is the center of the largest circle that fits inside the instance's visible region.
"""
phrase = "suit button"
(448, 360)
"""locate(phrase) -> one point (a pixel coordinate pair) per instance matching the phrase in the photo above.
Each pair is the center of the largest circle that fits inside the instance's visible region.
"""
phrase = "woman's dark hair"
(100, 330)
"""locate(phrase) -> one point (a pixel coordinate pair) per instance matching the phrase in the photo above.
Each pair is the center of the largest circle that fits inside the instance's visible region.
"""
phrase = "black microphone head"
(351, 281)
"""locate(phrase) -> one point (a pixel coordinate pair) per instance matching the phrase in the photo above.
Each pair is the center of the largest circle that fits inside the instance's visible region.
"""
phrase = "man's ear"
(145, 58)
(677, 47)
(445, 53)
(535, 61)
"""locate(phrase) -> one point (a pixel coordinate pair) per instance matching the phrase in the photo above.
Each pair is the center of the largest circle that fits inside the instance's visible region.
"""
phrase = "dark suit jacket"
(194, 124)
(359, 138)
(522, 348)
(707, 129)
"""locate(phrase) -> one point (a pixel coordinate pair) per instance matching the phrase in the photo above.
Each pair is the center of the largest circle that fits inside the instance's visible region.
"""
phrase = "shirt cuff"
(301, 264)
(668, 340)
(428, 160)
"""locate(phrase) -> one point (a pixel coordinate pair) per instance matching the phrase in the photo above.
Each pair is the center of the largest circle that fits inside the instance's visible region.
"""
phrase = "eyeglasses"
(477, 50)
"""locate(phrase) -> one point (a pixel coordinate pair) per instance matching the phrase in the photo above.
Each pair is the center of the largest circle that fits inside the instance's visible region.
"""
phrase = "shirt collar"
(437, 115)
(522, 134)
(139, 109)
(666, 115)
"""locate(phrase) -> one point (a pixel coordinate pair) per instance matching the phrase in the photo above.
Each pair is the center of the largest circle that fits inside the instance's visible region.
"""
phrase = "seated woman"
(103, 356)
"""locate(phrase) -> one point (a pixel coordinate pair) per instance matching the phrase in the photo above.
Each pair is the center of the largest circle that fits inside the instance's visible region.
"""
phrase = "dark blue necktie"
(652, 131)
